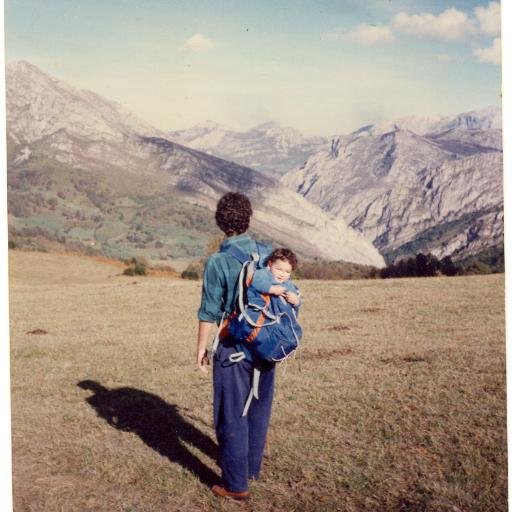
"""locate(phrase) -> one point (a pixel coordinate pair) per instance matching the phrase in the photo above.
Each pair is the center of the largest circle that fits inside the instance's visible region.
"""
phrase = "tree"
(411, 267)
(447, 267)
(427, 265)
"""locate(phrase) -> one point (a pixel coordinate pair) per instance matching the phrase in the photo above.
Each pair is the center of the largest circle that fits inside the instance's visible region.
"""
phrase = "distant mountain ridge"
(481, 119)
(84, 169)
(267, 147)
(416, 184)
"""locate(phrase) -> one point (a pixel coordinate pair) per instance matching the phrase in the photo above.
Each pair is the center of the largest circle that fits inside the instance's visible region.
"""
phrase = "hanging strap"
(254, 393)
(237, 357)
(256, 382)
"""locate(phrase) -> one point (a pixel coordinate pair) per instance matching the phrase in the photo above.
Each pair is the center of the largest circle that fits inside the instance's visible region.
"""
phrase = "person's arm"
(203, 336)
(262, 282)
(277, 289)
(210, 312)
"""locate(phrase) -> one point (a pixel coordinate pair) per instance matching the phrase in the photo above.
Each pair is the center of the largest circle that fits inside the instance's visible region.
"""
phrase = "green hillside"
(114, 213)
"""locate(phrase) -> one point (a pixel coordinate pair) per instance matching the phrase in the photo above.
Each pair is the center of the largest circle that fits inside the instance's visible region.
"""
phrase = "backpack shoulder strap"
(237, 253)
(242, 256)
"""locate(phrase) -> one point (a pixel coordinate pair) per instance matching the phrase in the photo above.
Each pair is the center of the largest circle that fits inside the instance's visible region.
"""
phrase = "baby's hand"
(277, 289)
(292, 298)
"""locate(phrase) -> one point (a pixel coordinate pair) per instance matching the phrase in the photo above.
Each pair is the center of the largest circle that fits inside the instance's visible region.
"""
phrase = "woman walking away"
(241, 438)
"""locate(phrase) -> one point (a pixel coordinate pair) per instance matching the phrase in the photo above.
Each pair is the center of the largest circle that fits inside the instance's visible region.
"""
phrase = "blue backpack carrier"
(265, 327)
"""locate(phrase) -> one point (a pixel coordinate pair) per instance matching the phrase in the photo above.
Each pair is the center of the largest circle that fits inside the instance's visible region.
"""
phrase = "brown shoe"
(218, 490)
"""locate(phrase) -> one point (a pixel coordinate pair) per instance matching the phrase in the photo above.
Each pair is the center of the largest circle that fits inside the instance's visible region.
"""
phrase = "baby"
(274, 279)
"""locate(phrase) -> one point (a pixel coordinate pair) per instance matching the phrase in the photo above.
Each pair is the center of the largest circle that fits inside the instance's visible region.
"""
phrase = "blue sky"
(323, 67)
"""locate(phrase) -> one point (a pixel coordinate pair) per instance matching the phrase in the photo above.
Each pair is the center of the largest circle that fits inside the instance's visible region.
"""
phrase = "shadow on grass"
(157, 423)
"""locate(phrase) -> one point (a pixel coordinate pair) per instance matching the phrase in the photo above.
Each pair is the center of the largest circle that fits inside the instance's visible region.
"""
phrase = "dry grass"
(397, 402)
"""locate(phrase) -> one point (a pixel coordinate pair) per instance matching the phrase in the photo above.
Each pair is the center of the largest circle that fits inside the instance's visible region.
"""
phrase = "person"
(274, 279)
(241, 439)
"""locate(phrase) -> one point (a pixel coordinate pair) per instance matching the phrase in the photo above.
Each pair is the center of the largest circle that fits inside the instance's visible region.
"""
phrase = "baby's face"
(281, 270)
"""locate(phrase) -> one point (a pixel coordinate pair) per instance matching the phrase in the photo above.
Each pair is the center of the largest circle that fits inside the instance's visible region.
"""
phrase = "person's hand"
(203, 361)
(292, 298)
(277, 289)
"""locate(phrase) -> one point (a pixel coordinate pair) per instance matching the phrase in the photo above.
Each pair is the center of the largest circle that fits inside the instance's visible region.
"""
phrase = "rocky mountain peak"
(49, 104)
(267, 147)
(266, 126)
(483, 119)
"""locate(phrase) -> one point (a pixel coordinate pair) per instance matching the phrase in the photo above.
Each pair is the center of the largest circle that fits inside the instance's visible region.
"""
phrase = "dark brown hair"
(233, 213)
(283, 254)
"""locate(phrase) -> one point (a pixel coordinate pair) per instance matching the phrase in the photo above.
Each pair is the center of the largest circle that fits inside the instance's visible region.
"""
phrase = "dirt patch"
(328, 354)
(38, 331)
(408, 358)
(337, 328)
(415, 359)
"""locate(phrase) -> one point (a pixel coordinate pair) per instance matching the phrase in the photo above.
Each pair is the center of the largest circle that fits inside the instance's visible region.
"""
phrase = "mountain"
(476, 120)
(84, 170)
(40, 105)
(414, 185)
(267, 147)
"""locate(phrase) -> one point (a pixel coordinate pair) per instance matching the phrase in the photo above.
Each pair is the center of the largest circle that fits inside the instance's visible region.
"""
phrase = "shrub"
(193, 271)
(137, 267)
(135, 270)
(140, 269)
(190, 274)
(421, 265)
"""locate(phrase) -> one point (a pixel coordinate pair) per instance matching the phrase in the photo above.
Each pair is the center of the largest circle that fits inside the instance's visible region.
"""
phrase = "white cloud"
(492, 55)
(450, 25)
(489, 19)
(197, 43)
(369, 35)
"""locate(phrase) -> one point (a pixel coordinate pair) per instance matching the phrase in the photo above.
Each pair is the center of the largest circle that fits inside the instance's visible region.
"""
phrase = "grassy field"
(397, 402)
